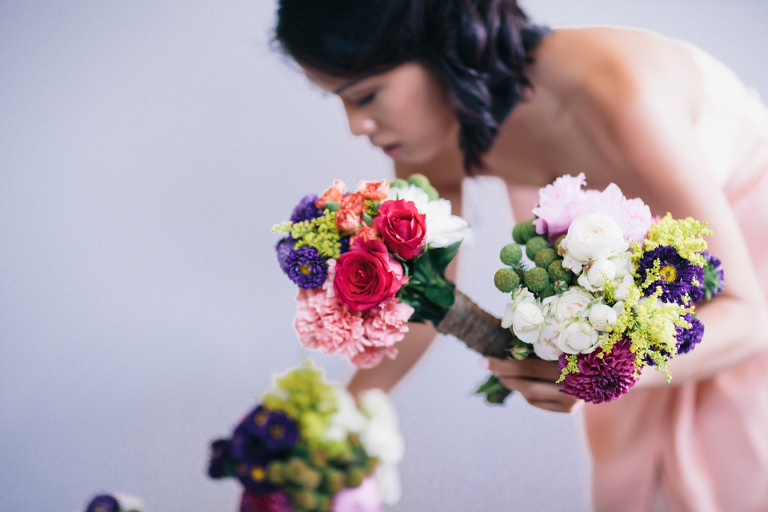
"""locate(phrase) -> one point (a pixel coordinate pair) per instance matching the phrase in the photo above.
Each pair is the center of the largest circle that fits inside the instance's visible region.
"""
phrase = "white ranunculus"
(522, 296)
(592, 236)
(571, 303)
(596, 273)
(578, 337)
(527, 322)
(546, 345)
(443, 228)
(347, 418)
(602, 317)
(411, 193)
(623, 286)
(619, 308)
(623, 263)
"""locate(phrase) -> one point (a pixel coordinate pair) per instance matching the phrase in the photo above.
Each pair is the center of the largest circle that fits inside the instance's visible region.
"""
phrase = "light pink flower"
(387, 325)
(364, 498)
(557, 205)
(372, 356)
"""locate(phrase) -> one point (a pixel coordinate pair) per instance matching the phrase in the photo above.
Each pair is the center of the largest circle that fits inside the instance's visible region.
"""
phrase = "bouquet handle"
(478, 329)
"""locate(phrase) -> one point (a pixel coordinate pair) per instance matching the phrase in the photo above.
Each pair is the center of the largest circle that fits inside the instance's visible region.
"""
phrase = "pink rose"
(366, 276)
(371, 357)
(335, 193)
(374, 190)
(347, 221)
(366, 233)
(402, 228)
(354, 202)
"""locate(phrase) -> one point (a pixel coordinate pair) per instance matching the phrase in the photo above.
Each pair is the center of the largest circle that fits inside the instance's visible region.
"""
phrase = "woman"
(446, 87)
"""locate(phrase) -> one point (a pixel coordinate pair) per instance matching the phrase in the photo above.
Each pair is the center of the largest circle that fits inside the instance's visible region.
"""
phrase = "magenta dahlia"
(601, 379)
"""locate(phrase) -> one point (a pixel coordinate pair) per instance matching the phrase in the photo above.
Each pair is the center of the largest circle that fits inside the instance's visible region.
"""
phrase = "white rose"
(411, 193)
(596, 273)
(623, 264)
(602, 317)
(591, 236)
(527, 321)
(623, 286)
(444, 229)
(546, 345)
(572, 303)
(578, 337)
(522, 296)
(619, 308)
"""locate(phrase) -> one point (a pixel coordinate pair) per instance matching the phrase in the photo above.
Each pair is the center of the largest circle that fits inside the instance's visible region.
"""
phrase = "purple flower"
(276, 430)
(687, 339)
(306, 267)
(272, 502)
(306, 209)
(714, 276)
(283, 249)
(221, 464)
(103, 503)
(247, 446)
(344, 244)
(601, 379)
(676, 273)
(253, 476)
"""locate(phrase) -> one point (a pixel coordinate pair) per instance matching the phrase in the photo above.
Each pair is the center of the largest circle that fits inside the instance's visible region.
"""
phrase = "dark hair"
(478, 49)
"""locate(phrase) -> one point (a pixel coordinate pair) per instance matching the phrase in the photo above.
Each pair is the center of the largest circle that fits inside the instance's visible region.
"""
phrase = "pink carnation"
(372, 356)
(387, 325)
(364, 498)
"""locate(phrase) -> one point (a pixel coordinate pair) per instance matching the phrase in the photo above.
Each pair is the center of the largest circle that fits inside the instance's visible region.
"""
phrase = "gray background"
(146, 149)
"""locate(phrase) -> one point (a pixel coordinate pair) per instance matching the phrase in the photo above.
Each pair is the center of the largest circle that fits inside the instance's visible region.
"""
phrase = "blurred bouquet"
(307, 447)
(367, 262)
(115, 502)
(611, 289)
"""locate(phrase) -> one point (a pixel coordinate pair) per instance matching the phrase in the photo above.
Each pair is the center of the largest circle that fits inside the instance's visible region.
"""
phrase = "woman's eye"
(365, 99)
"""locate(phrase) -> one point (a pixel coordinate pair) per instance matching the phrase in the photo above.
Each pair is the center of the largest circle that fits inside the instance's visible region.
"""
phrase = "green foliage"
(428, 291)
(493, 391)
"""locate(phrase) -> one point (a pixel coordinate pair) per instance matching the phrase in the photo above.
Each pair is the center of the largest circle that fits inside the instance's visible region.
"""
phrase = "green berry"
(558, 273)
(334, 481)
(355, 477)
(399, 183)
(549, 291)
(523, 231)
(275, 472)
(506, 280)
(511, 254)
(534, 245)
(545, 257)
(432, 193)
(419, 180)
(536, 279)
(305, 499)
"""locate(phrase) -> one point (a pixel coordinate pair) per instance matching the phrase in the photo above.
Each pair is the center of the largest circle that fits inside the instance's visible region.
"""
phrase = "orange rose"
(374, 190)
(347, 221)
(335, 193)
(366, 233)
(354, 202)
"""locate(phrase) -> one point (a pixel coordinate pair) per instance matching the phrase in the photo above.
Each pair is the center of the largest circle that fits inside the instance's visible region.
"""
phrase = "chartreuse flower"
(320, 233)
(685, 235)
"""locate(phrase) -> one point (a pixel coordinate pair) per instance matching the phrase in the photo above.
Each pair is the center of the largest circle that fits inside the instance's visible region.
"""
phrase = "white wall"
(146, 149)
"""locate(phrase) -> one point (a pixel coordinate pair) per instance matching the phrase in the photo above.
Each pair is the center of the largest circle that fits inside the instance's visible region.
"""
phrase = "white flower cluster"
(572, 322)
(443, 228)
(376, 423)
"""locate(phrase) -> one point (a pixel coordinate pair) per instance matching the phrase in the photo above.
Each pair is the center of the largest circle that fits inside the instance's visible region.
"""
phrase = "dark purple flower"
(276, 430)
(676, 273)
(253, 476)
(697, 292)
(344, 244)
(306, 267)
(601, 379)
(221, 464)
(103, 503)
(714, 276)
(272, 502)
(306, 209)
(687, 339)
(283, 249)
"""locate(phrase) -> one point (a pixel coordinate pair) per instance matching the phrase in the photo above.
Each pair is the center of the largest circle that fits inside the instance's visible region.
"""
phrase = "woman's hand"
(535, 380)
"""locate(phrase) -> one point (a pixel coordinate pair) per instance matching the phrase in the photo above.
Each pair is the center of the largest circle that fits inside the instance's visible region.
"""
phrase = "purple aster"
(247, 446)
(306, 267)
(601, 379)
(714, 276)
(283, 250)
(676, 273)
(103, 503)
(687, 339)
(273, 502)
(276, 430)
(221, 464)
(306, 209)
(697, 292)
(344, 244)
(253, 476)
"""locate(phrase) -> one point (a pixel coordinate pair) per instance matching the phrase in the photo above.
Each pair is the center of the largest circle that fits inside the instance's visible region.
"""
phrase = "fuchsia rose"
(347, 221)
(402, 228)
(367, 276)
(334, 193)
(374, 190)
(354, 202)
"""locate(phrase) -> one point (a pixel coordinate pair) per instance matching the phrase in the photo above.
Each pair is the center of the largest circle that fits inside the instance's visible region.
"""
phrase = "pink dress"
(701, 446)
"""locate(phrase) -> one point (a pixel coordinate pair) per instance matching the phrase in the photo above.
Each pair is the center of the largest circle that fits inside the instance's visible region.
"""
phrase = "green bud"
(549, 291)
(275, 472)
(355, 477)
(560, 286)
(511, 254)
(332, 205)
(536, 279)
(367, 219)
(545, 257)
(534, 245)
(432, 193)
(334, 480)
(323, 503)
(506, 280)
(419, 180)
(520, 352)
(305, 499)
(558, 273)
(523, 231)
(399, 183)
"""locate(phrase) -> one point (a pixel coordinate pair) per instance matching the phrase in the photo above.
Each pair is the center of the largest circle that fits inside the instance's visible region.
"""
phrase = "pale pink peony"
(557, 205)
(364, 498)
(387, 325)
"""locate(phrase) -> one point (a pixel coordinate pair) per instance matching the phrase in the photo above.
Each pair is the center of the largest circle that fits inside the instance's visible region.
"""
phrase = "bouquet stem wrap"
(478, 329)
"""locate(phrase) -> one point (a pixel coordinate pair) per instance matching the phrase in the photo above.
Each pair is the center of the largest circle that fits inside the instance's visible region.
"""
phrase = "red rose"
(402, 228)
(367, 276)
(354, 202)
(374, 190)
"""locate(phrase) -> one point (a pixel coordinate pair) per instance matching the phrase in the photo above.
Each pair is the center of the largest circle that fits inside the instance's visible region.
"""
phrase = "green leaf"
(442, 256)
(442, 296)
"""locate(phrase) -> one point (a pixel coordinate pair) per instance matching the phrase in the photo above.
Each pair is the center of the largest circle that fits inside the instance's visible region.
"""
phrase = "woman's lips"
(393, 150)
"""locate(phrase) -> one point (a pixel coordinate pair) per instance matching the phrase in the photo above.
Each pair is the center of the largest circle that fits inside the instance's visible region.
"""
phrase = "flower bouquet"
(606, 289)
(307, 447)
(369, 261)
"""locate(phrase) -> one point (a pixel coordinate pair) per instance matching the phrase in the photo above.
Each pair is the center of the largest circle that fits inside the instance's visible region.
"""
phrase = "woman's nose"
(360, 123)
